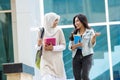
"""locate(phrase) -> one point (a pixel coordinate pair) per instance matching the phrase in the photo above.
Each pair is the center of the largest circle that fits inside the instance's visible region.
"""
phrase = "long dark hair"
(83, 20)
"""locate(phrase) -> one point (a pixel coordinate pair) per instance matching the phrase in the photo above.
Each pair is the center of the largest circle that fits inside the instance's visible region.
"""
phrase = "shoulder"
(60, 29)
(90, 30)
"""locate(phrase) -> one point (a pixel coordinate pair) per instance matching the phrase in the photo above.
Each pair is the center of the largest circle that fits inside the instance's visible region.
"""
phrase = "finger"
(97, 33)
(50, 43)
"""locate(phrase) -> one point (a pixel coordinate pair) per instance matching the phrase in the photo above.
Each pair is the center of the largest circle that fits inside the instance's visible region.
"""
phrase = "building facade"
(17, 40)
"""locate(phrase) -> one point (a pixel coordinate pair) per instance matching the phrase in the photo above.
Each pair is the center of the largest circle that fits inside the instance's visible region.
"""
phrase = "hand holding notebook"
(77, 39)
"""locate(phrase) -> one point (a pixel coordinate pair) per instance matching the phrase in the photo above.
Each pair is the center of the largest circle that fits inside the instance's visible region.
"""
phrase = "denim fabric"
(81, 66)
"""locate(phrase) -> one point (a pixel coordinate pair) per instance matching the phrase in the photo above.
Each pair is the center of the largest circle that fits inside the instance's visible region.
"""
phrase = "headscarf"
(48, 23)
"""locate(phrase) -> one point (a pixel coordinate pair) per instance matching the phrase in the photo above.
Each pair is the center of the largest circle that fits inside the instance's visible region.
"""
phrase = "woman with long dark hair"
(82, 51)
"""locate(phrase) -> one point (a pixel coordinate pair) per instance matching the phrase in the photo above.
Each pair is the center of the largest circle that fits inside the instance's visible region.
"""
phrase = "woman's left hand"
(94, 37)
(97, 34)
(48, 47)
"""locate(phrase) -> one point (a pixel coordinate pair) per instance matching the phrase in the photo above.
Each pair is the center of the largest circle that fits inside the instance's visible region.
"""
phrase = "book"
(50, 40)
(77, 39)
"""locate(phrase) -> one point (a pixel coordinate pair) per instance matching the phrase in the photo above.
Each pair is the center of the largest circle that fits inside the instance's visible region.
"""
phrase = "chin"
(78, 28)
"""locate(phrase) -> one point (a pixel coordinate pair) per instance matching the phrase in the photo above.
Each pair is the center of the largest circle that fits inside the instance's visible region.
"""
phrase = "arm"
(73, 46)
(54, 48)
(59, 48)
(93, 38)
(70, 45)
(92, 41)
(39, 41)
(62, 42)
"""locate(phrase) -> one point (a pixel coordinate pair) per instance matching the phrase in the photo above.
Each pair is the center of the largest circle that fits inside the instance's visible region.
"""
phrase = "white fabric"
(50, 59)
(59, 48)
(48, 23)
(37, 47)
(51, 77)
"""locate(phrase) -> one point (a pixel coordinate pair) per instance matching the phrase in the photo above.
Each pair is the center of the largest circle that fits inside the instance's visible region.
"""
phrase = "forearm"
(78, 45)
(59, 48)
(93, 40)
(73, 47)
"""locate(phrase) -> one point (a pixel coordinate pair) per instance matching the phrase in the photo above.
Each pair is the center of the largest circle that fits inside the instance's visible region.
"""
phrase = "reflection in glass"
(67, 9)
(6, 41)
(115, 46)
(67, 55)
(5, 5)
(100, 68)
(114, 10)
(96, 12)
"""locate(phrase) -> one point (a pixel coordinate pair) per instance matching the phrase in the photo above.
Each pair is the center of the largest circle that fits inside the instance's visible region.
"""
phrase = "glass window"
(67, 55)
(114, 10)
(97, 7)
(6, 40)
(115, 45)
(102, 39)
(95, 11)
(67, 9)
(100, 68)
(5, 5)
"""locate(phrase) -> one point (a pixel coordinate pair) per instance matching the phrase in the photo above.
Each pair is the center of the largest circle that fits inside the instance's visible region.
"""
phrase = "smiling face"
(78, 23)
(51, 20)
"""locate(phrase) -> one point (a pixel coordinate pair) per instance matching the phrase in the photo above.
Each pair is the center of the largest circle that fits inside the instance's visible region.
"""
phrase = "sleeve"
(62, 42)
(91, 36)
(59, 48)
(37, 47)
(69, 45)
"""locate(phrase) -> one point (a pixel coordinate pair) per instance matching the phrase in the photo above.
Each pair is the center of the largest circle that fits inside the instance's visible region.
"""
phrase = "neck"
(82, 30)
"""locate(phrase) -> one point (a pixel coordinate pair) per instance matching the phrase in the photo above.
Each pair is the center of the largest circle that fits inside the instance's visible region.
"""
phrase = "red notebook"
(50, 40)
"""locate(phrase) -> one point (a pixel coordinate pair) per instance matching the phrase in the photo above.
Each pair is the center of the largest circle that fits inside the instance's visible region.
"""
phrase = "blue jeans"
(81, 66)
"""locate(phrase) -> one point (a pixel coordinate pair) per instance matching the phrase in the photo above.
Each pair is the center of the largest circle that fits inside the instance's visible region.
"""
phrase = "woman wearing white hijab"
(52, 66)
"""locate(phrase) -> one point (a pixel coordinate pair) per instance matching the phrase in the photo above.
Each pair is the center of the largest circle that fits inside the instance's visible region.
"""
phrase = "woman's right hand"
(39, 42)
(48, 47)
(73, 47)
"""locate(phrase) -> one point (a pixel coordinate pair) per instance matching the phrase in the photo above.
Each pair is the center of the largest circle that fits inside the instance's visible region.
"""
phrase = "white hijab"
(48, 23)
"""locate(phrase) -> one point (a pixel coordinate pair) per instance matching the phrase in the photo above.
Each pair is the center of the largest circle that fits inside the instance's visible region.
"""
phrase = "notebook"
(77, 39)
(50, 40)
